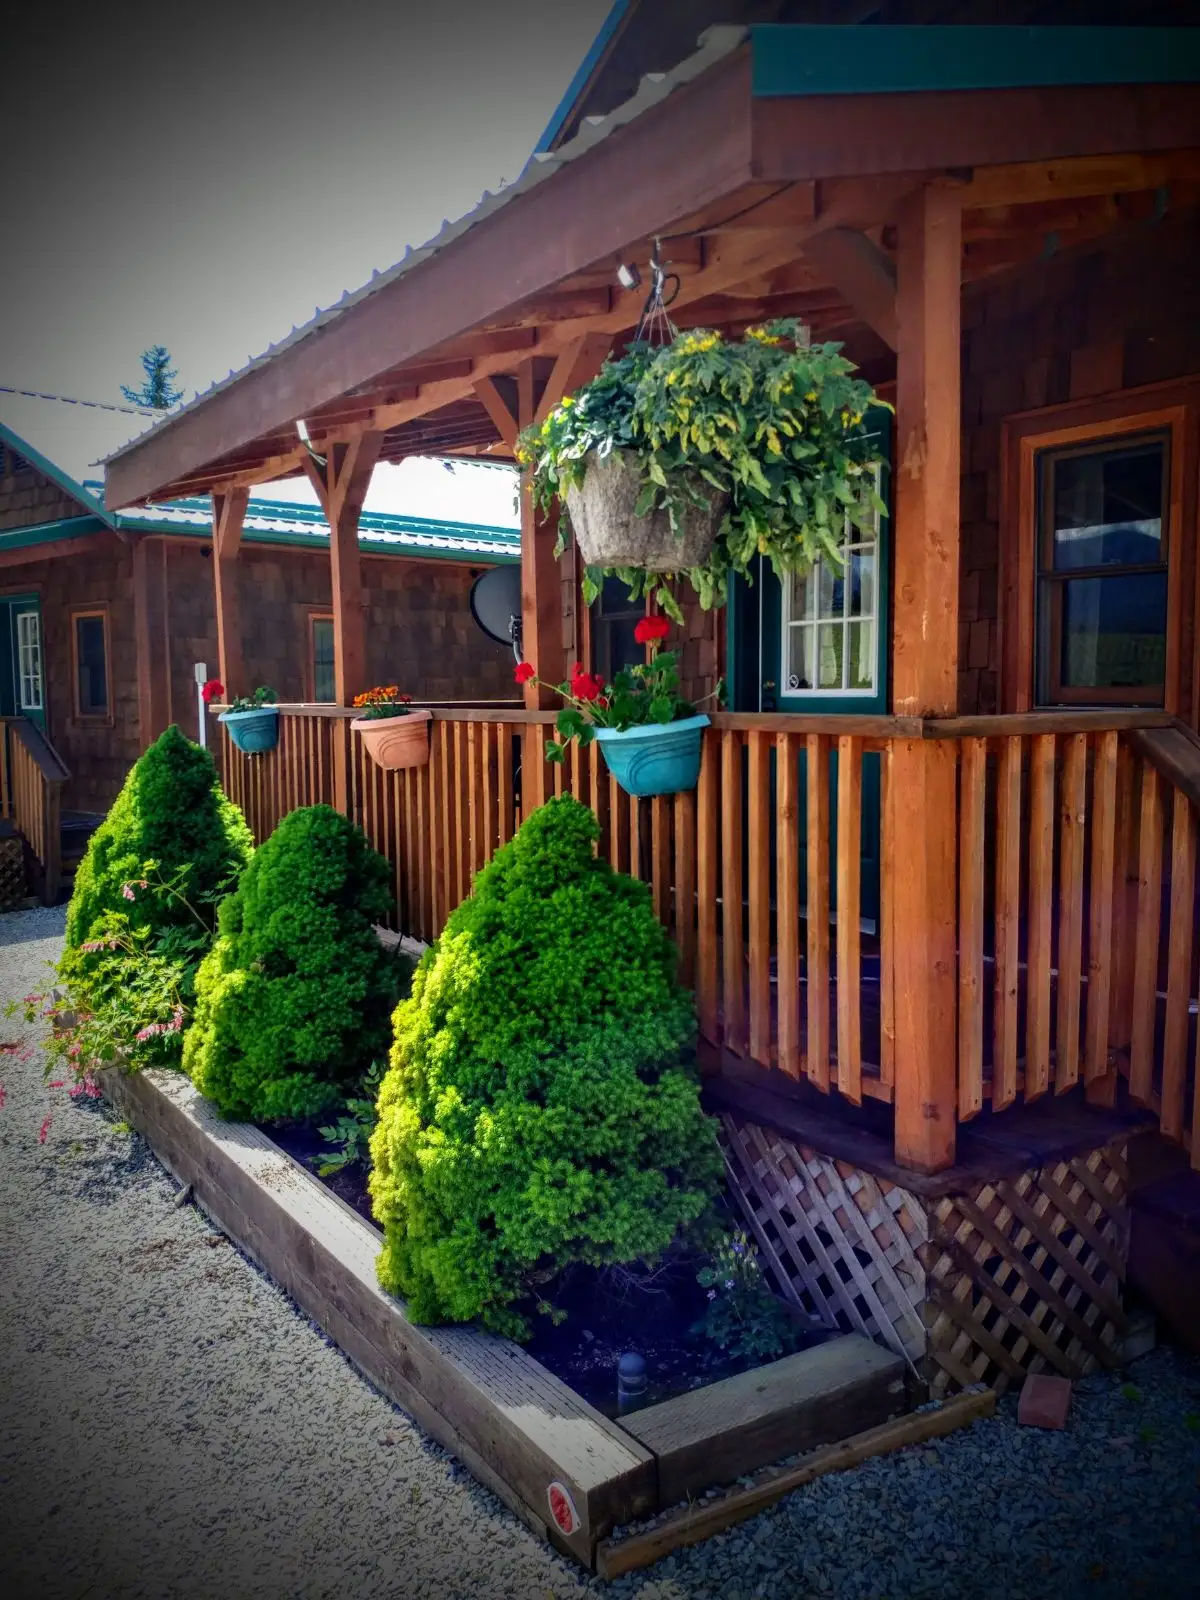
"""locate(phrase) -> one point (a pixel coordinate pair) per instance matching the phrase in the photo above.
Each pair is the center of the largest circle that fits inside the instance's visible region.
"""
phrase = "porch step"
(1164, 1251)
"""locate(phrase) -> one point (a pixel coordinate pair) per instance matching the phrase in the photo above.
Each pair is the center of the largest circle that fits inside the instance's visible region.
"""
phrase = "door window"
(830, 632)
(29, 661)
(1102, 572)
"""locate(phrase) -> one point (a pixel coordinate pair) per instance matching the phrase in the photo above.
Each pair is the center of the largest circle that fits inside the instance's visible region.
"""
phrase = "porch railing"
(1076, 888)
(30, 792)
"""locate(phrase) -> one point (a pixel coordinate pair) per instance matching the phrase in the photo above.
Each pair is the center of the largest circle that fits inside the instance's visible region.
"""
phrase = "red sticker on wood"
(562, 1508)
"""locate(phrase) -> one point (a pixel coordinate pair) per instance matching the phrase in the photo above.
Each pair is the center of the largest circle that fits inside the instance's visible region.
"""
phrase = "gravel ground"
(171, 1425)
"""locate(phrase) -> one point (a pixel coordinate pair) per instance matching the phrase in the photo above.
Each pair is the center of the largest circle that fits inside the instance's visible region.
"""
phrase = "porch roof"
(64, 439)
(739, 172)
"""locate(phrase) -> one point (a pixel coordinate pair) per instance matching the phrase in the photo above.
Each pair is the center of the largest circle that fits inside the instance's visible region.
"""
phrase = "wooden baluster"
(660, 858)
(635, 836)
(1124, 923)
(476, 797)
(1005, 1044)
(618, 826)
(887, 935)
(817, 1020)
(759, 894)
(462, 876)
(1179, 965)
(598, 795)
(849, 917)
(732, 936)
(1070, 919)
(443, 818)
(787, 912)
(1146, 943)
(972, 855)
(504, 782)
(685, 884)
(707, 810)
(1041, 912)
(1100, 917)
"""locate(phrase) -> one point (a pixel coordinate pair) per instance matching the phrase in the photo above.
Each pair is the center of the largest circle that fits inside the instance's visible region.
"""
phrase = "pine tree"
(156, 392)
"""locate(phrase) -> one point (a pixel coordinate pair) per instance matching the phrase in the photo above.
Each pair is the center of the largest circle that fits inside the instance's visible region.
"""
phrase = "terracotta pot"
(610, 534)
(394, 743)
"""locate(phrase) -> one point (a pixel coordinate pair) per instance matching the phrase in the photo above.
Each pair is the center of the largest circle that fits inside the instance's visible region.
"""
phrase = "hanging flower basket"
(395, 743)
(656, 758)
(253, 732)
(610, 532)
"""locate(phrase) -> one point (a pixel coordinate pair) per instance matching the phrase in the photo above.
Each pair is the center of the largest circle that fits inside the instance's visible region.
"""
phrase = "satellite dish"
(496, 605)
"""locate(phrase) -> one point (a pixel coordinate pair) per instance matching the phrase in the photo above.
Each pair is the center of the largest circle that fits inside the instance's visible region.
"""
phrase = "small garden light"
(628, 276)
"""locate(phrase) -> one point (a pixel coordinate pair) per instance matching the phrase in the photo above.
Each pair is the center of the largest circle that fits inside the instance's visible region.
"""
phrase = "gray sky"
(204, 177)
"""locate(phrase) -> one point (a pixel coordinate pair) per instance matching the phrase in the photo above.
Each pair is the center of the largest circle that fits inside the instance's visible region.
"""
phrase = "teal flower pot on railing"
(657, 758)
(253, 732)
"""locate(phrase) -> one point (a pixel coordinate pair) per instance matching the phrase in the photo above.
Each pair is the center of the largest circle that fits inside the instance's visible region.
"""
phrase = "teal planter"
(253, 732)
(657, 758)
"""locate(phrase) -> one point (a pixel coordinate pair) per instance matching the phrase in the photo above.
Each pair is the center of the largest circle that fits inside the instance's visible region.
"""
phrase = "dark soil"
(609, 1312)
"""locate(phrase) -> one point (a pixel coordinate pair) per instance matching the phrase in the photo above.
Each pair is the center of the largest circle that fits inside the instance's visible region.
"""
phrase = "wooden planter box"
(519, 1429)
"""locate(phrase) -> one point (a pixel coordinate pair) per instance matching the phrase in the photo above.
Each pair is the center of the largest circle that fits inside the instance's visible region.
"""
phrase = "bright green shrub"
(294, 1000)
(146, 891)
(536, 1111)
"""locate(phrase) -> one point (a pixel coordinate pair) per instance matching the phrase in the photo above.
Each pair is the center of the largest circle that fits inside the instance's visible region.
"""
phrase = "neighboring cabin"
(103, 617)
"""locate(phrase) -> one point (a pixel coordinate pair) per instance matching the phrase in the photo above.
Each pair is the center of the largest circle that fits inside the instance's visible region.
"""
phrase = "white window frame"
(854, 542)
(31, 694)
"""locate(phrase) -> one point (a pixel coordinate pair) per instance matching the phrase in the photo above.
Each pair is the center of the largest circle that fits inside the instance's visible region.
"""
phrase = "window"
(1101, 604)
(614, 617)
(323, 679)
(831, 622)
(29, 660)
(92, 694)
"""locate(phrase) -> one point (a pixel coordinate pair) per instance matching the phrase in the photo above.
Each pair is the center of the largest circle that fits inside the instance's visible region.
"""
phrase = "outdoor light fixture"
(628, 277)
(302, 430)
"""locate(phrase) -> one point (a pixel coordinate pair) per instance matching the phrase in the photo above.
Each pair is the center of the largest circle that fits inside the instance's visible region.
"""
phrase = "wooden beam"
(229, 513)
(494, 404)
(150, 638)
(861, 273)
(576, 365)
(346, 478)
(922, 775)
(1028, 182)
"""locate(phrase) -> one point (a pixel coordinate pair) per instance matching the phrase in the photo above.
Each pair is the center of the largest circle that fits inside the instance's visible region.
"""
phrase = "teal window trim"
(796, 59)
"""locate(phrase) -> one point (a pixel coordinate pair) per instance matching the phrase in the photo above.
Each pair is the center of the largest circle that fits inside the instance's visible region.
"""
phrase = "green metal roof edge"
(320, 541)
(49, 470)
(790, 59)
(49, 532)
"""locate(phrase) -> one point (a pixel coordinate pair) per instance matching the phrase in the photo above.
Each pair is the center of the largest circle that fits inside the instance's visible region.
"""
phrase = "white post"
(200, 671)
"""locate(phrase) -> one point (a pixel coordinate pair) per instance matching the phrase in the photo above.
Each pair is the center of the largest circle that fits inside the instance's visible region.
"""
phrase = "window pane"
(614, 600)
(862, 655)
(831, 641)
(862, 583)
(800, 661)
(1107, 507)
(324, 678)
(29, 660)
(1114, 631)
(93, 677)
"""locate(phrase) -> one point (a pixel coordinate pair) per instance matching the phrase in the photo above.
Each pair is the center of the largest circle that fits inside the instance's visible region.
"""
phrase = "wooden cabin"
(104, 617)
(936, 891)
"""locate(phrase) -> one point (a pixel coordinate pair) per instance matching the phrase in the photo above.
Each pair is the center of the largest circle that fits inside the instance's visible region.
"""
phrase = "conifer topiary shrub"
(537, 1110)
(144, 907)
(295, 998)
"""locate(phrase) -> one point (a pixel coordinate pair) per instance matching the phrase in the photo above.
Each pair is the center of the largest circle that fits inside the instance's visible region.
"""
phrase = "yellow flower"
(811, 395)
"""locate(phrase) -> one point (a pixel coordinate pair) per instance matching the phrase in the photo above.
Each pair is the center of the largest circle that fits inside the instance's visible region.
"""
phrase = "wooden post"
(341, 485)
(229, 513)
(541, 584)
(922, 773)
(150, 639)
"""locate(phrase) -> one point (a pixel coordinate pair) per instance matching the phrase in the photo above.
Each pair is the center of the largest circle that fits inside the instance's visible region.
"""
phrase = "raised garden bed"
(566, 1469)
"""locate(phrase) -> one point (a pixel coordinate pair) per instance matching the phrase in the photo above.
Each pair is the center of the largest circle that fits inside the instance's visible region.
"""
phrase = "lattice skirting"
(1010, 1277)
(13, 887)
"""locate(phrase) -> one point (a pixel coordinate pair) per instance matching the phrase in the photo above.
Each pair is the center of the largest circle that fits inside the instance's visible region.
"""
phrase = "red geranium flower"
(212, 690)
(651, 629)
(524, 671)
(586, 685)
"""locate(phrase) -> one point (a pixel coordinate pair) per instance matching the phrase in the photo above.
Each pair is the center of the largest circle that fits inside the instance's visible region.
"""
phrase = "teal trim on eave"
(795, 59)
(49, 532)
(48, 470)
(579, 82)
